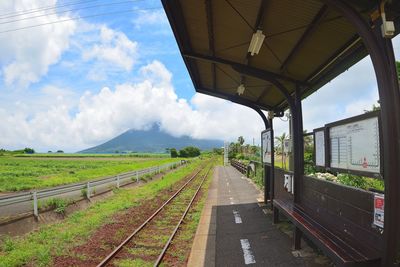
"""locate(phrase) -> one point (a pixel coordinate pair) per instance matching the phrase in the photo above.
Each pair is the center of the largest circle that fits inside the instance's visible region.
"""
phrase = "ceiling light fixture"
(256, 42)
(240, 89)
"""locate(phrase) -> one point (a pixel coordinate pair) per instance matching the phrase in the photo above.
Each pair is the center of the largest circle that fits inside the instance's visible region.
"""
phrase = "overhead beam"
(316, 79)
(210, 29)
(307, 33)
(336, 55)
(260, 74)
(267, 74)
(264, 93)
(257, 26)
(233, 98)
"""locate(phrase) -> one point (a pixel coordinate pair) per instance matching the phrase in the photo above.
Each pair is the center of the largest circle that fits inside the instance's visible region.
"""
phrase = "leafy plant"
(57, 204)
(8, 244)
(84, 193)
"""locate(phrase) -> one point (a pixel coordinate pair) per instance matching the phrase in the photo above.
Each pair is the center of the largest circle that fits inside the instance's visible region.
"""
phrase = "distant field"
(22, 173)
(73, 155)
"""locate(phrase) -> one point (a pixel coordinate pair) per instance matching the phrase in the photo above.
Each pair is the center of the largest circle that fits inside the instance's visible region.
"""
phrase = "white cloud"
(26, 55)
(114, 50)
(100, 116)
(146, 18)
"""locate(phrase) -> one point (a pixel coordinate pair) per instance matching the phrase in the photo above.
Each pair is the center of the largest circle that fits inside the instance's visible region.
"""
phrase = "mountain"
(150, 141)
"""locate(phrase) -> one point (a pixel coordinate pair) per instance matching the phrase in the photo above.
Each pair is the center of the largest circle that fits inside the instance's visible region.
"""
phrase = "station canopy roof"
(306, 43)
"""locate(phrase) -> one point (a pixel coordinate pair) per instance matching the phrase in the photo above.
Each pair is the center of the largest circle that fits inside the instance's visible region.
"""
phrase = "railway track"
(151, 240)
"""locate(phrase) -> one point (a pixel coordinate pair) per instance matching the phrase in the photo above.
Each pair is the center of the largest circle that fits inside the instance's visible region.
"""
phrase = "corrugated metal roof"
(306, 43)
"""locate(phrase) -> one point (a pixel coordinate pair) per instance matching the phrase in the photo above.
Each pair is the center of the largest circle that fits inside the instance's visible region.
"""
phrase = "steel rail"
(162, 254)
(120, 246)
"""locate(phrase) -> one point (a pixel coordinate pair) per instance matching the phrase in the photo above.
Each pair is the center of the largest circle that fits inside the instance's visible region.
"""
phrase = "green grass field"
(38, 247)
(22, 173)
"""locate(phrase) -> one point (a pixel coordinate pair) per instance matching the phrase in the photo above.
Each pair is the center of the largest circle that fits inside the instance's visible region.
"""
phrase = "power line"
(78, 18)
(34, 10)
(65, 11)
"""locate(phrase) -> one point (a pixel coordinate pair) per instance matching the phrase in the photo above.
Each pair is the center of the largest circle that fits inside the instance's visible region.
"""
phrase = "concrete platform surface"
(234, 230)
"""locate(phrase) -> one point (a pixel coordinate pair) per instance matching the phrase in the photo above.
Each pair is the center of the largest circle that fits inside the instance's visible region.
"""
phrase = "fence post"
(88, 190)
(137, 176)
(117, 181)
(35, 205)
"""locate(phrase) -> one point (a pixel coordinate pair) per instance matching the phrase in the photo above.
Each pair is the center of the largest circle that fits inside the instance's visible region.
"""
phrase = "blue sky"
(76, 84)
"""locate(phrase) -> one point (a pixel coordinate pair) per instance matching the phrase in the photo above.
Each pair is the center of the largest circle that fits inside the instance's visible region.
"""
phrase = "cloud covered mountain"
(152, 140)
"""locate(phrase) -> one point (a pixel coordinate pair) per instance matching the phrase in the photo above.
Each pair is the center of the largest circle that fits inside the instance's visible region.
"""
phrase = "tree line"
(187, 152)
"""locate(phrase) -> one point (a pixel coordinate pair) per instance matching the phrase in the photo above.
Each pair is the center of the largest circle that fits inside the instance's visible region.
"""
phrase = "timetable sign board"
(355, 146)
(266, 144)
(319, 148)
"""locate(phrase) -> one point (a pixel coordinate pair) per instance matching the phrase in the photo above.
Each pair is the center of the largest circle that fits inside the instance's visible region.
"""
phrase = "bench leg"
(297, 238)
(275, 216)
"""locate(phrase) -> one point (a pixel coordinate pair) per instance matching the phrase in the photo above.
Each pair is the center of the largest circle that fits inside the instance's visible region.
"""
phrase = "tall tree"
(241, 140)
(280, 140)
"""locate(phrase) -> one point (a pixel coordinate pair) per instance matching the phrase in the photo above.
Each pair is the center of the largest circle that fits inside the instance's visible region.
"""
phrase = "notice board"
(354, 145)
(266, 145)
(319, 146)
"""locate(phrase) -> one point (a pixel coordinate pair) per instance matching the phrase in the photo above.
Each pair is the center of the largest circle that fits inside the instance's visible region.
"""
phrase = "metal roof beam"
(260, 74)
(267, 74)
(264, 93)
(233, 98)
(210, 29)
(307, 33)
(337, 54)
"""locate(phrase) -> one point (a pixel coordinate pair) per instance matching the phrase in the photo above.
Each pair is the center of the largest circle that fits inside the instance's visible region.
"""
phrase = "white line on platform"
(236, 214)
(247, 253)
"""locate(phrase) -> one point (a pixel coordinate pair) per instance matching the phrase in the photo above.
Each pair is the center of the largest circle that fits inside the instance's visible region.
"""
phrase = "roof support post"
(382, 56)
(272, 168)
(297, 116)
(298, 147)
(267, 169)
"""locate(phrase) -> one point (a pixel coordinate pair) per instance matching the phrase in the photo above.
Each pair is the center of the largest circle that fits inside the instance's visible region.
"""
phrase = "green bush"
(57, 204)
(189, 152)
(8, 244)
(174, 153)
(84, 193)
(258, 175)
(365, 183)
(309, 166)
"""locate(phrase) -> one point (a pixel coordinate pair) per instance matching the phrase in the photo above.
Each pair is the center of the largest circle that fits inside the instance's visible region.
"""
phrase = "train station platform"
(234, 230)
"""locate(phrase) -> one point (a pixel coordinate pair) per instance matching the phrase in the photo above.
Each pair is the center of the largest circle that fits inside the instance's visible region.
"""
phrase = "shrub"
(58, 204)
(174, 153)
(84, 193)
(189, 152)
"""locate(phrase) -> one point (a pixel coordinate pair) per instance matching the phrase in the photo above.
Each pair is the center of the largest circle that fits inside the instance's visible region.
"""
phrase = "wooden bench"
(340, 251)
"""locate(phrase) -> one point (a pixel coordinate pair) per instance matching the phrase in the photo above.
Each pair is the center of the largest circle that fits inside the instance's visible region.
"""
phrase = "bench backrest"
(345, 211)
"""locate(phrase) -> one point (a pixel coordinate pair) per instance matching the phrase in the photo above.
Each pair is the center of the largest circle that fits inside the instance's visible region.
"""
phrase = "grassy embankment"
(38, 248)
(31, 172)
